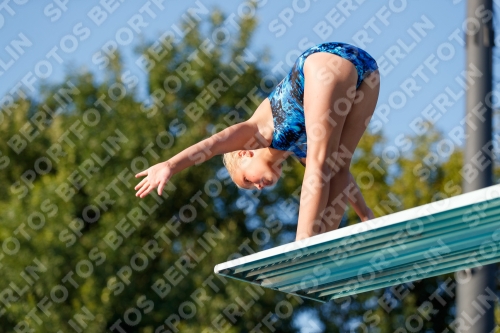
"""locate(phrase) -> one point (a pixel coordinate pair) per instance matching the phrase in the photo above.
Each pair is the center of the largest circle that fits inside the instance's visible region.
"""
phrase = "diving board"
(445, 236)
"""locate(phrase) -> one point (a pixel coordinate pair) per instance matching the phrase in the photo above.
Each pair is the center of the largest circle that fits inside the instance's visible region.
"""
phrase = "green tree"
(82, 253)
(102, 258)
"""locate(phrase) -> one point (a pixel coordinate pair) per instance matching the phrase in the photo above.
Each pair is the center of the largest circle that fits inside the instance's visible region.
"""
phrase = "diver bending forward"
(318, 113)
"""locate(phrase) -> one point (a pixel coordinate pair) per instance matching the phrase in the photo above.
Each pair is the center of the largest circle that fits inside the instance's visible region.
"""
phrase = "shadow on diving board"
(441, 237)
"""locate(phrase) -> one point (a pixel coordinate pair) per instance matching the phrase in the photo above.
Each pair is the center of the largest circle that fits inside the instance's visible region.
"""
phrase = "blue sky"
(393, 35)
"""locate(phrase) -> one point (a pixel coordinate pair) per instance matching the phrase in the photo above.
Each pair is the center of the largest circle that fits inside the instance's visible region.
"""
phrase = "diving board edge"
(258, 284)
(461, 200)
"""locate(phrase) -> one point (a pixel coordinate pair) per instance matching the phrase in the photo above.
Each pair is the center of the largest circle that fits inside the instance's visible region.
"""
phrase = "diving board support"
(441, 237)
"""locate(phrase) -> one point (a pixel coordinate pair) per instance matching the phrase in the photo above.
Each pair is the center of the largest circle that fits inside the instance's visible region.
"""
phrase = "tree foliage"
(82, 253)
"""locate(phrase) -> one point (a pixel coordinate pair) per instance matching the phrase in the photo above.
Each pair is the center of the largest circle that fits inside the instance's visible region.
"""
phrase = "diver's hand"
(368, 215)
(156, 176)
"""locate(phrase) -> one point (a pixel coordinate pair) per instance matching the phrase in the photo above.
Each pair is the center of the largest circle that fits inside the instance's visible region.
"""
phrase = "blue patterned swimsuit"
(287, 99)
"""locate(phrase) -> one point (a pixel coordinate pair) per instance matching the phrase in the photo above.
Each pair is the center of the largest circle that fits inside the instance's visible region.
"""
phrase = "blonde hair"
(231, 162)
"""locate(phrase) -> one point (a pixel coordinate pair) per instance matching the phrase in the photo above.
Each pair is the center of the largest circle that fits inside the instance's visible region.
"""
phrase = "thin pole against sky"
(474, 315)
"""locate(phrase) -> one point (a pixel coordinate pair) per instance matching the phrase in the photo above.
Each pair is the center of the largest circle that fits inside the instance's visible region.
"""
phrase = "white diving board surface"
(445, 236)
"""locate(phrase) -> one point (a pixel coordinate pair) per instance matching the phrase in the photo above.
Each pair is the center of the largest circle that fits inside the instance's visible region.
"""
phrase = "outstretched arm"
(244, 135)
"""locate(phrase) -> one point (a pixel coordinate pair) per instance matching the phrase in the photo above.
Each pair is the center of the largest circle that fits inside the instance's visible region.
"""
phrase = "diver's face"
(255, 171)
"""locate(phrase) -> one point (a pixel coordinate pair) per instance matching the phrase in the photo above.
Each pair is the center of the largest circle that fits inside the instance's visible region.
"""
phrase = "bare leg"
(357, 201)
(329, 92)
(354, 126)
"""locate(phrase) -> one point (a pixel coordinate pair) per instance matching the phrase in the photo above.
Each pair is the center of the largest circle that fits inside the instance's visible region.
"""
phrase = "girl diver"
(318, 113)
